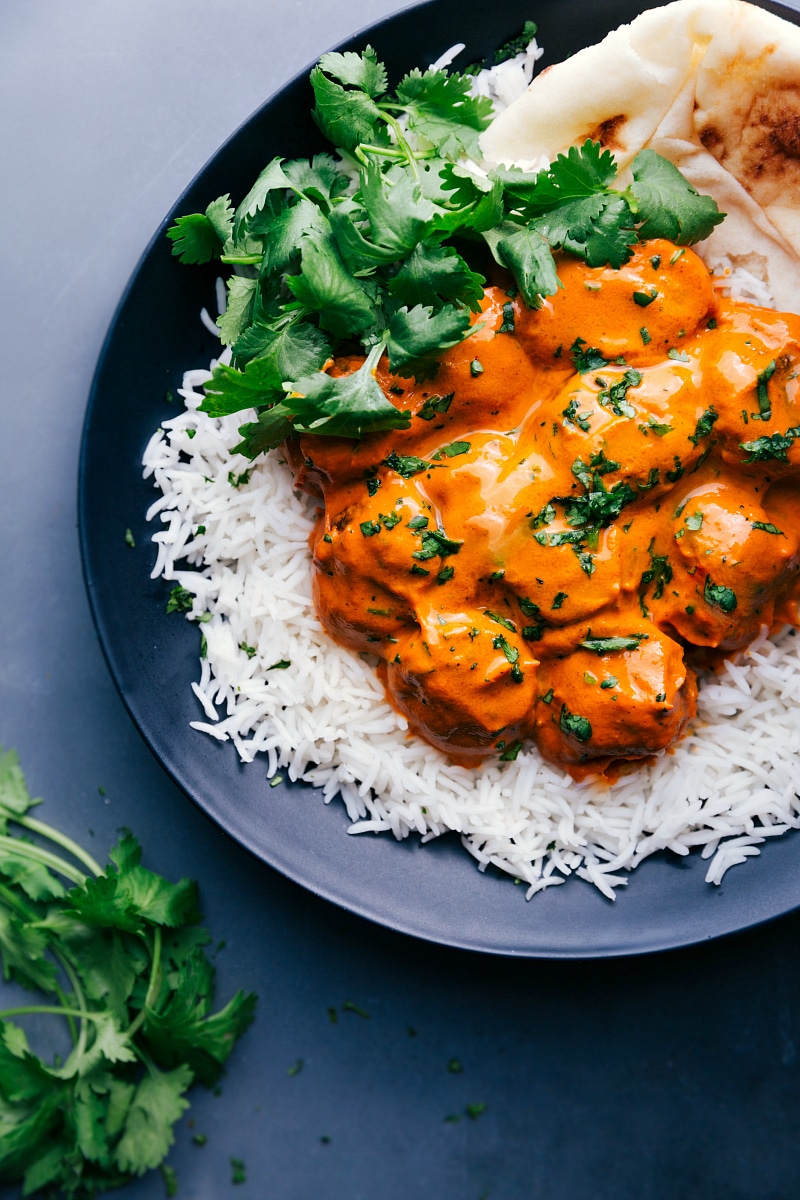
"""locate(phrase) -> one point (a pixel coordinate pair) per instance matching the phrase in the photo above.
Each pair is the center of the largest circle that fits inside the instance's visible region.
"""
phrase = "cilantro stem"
(383, 151)
(243, 260)
(70, 1019)
(61, 839)
(36, 854)
(399, 134)
(152, 987)
(80, 1038)
(52, 1010)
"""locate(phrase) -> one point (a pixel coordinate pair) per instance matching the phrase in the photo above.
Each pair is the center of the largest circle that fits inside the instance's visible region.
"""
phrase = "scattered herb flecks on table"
(382, 248)
(119, 954)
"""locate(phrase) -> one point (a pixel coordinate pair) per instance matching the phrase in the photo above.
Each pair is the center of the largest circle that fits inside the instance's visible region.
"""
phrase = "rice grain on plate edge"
(327, 707)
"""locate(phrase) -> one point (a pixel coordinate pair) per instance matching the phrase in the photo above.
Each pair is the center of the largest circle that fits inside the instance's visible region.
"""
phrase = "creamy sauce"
(533, 512)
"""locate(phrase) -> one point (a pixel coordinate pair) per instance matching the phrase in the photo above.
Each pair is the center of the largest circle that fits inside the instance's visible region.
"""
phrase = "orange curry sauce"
(532, 512)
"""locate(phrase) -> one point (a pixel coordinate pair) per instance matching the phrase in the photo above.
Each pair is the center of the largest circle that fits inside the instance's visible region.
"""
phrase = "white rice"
(726, 786)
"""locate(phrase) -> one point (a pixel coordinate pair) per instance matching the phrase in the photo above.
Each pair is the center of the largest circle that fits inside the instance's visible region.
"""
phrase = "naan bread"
(714, 86)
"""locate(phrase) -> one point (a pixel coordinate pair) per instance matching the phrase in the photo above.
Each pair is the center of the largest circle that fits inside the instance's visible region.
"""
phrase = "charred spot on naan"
(765, 157)
(606, 132)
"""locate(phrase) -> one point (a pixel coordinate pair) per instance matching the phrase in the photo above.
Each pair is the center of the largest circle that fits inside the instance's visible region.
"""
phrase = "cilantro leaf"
(269, 430)
(441, 109)
(344, 406)
(182, 1031)
(272, 178)
(346, 118)
(583, 172)
(285, 230)
(399, 215)
(237, 315)
(325, 286)
(23, 949)
(418, 336)
(359, 70)
(282, 350)
(14, 798)
(157, 1104)
(433, 275)
(668, 206)
(229, 390)
(322, 176)
(199, 237)
(528, 256)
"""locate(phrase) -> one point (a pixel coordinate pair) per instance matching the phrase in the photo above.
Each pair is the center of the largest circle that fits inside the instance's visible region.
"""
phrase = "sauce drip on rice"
(591, 497)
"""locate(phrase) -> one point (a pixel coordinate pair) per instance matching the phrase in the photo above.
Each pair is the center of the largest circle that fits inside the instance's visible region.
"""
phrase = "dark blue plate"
(435, 891)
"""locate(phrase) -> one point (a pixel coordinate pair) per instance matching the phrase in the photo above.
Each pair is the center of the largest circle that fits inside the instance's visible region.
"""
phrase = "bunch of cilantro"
(119, 956)
(383, 247)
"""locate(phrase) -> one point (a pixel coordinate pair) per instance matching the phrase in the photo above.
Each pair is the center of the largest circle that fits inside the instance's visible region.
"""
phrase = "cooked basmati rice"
(242, 532)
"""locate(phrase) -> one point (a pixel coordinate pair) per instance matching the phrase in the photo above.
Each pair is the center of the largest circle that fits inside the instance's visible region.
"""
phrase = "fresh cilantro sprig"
(377, 249)
(118, 954)
(573, 206)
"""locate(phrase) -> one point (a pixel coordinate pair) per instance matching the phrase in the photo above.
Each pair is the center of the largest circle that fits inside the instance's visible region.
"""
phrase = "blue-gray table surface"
(675, 1075)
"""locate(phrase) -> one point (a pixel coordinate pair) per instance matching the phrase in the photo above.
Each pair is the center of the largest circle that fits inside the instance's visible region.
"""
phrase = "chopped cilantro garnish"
(499, 620)
(719, 596)
(129, 539)
(559, 599)
(574, 725)
(544, 517)
(349, 1006)
(645, 298)
(180, 600)
(616, 395)
(705, 424)
(574, 417)
(694, 521)
(612, 645)
(764, 406)
(369, 528)
(445, 574)
(678, 355)
(453, 450)
(406, 465)
(771, 448)
(678, 473)
(508, 318)
(418, 523)
(659, 573)
(475, 368)
(436, 541)
(517, 45)
(435, 406)
(610, 681)
(644, 334)
(767, 527)
(547, 698)
(586, 359)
